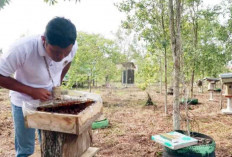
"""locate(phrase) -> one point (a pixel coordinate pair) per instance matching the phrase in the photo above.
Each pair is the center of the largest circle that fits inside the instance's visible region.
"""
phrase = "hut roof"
(128, 65)
(211, 79)
(226, 75)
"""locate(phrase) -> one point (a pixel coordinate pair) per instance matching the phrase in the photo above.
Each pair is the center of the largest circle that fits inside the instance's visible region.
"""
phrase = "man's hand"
(35, 93)
(40, 93)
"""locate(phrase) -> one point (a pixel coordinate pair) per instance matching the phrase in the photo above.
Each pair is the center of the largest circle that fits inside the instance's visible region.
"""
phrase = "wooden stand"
(56, 144)
(228, 110)
(211, 88)
(211, 96)
(228, 95)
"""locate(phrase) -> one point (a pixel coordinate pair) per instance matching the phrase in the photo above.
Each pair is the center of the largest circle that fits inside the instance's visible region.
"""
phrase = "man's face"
(55, 52)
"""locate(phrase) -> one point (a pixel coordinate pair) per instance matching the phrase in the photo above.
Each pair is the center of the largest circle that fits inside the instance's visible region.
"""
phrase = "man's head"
(59, 38)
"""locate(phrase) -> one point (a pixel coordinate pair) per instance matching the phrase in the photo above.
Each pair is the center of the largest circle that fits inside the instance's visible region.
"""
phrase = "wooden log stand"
(55, 144)
(65, 135)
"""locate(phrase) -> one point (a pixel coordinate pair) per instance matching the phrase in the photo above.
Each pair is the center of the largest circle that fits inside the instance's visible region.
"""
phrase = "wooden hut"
(128, 69)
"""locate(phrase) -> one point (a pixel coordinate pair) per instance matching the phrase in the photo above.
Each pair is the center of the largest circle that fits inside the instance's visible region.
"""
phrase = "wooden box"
(226, 78)
(228, 91)
(65, 123)
(211, 86)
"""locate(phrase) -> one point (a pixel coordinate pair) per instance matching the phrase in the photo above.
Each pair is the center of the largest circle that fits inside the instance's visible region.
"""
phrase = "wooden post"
(221, 96)
(56, 144)
(126, 76)
(211, 96)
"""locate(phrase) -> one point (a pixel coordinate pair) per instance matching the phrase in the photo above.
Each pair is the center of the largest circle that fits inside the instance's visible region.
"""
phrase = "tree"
(209, 55)
(96, 59)
(193, 7)
(147, 71)
(3, 3)
(175, 33)
(165, 51)
(147, 18)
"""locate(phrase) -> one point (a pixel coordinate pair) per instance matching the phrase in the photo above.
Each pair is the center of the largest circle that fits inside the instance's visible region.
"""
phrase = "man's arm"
(64, 72)
(35, 93)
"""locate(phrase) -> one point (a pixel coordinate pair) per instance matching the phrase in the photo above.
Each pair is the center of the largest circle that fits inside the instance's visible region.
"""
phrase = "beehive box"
(226, 78)
(211, 86)
(228, 91)
(50, 115)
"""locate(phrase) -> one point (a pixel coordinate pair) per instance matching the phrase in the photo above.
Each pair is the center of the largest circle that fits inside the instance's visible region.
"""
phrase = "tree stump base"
(56, 144)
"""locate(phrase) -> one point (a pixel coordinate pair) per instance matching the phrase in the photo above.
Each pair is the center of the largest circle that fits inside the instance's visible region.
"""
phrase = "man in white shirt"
(38, 64)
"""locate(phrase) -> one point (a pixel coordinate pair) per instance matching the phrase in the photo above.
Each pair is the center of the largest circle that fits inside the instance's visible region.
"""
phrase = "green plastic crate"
(190, 101)
(100, 124)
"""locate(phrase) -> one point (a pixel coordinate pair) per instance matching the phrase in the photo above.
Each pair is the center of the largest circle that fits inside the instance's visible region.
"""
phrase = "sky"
(29, 17)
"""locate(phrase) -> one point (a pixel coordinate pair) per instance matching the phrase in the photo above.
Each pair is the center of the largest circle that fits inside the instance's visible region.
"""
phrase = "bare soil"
(132, 123)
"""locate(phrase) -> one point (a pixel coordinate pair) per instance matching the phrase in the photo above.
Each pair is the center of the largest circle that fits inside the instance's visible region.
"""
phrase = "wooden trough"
(66, 126)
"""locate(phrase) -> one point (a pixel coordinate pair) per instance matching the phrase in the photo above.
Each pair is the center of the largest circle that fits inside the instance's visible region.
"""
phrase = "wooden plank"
(89, 112)
(53, 122)
(102, 117)
(88, 116)
(221, 99)
(88, 123)
(90, 152)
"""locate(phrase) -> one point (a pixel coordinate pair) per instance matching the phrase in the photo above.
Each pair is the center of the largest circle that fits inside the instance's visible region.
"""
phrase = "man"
(38, 64)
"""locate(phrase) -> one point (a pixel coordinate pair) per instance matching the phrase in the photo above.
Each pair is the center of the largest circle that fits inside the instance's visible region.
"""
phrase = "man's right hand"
(35, 93)
(41, 94)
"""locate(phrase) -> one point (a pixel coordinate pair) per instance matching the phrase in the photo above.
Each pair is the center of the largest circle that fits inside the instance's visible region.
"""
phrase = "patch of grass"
(120, 93)
(158, 154)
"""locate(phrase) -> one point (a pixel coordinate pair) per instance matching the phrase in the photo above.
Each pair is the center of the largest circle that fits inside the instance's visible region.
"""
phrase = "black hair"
(60, 32)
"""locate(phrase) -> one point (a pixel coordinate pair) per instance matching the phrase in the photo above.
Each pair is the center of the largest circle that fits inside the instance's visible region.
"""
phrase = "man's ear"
(43, 38)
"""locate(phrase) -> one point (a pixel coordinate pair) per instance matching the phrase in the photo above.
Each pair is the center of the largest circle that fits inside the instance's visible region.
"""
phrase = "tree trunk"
(165, 59)
(93, 82)
(89, 83)
(56, 144)
(176, 51)
(126, 76)
(149, 100)
(106, 80)
(161, 73)
(195, 40)
(166, 82)
(192, 81)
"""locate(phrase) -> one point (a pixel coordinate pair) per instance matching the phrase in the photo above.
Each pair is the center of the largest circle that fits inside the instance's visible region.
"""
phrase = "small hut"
(211, 86)
(128, 69)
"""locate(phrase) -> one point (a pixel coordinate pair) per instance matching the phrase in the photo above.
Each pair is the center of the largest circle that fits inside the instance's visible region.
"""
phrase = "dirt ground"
(132, 123)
